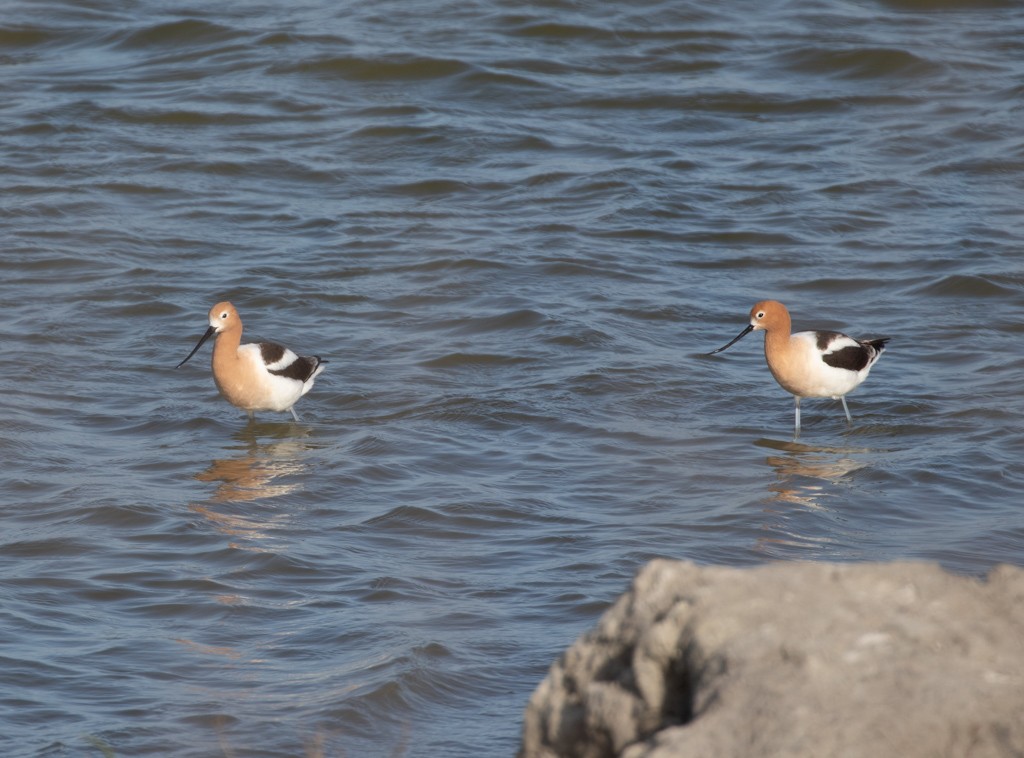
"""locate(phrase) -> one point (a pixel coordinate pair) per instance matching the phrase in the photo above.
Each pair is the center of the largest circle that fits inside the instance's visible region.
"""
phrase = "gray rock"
(792, 659)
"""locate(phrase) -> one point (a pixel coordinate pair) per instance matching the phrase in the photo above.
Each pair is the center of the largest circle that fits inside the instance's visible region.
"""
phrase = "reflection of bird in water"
(252, 477)
(820, 469)
(798, 518)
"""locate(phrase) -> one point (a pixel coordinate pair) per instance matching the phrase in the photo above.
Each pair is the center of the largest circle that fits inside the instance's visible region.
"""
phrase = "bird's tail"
(878, 343)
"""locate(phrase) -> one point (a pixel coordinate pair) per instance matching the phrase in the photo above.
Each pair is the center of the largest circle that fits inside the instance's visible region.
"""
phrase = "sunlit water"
(514, 231)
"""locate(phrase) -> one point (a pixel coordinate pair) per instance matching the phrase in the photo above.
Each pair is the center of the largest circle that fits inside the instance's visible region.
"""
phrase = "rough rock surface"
(792, 659)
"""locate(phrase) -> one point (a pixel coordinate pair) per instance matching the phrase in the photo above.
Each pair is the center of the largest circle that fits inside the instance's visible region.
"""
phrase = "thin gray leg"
(294, 414)
(796, 415)
(252, 416)
(849, 419)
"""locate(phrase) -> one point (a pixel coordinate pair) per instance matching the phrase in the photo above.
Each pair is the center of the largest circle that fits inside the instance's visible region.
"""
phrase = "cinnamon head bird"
(260, 376)
(814, 363)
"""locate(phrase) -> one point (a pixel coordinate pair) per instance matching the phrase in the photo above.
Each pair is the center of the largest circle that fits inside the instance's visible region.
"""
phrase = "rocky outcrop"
(792, 659)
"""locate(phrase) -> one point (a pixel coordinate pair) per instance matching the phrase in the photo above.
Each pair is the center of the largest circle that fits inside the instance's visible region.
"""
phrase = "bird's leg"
(796, 415)
(252, 416)
(294, 414)
(849, 418)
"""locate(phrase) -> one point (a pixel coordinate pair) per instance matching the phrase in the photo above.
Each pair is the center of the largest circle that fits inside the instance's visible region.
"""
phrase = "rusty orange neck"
(225, 349)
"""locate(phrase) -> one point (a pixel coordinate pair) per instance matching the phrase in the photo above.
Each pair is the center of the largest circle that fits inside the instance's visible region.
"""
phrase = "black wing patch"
(852, 357)
(300, 369)
(271, 353)
(825, 339)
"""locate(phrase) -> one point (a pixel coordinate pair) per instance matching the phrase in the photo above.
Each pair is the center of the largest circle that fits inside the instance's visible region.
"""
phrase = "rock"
(792, 659)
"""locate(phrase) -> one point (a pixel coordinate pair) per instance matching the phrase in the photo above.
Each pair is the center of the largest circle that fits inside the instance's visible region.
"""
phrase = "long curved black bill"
(209, 333)
(737, 338)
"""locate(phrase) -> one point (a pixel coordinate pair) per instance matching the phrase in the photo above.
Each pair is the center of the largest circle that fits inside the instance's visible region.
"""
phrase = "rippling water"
(513, 230)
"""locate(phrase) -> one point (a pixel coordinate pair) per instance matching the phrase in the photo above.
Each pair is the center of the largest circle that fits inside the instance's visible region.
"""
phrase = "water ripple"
(515, 233)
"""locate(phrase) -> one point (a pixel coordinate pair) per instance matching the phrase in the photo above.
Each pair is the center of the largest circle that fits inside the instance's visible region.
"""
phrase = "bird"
(260, 376)
(810, 364)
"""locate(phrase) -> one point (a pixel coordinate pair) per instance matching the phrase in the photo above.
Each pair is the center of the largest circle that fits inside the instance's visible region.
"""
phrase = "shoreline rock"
(792, 659)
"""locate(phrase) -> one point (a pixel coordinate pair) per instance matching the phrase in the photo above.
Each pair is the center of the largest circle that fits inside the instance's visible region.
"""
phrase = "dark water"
(513, 229)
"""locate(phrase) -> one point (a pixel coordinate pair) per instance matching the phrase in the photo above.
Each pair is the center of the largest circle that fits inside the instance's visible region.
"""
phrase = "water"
(513, 230)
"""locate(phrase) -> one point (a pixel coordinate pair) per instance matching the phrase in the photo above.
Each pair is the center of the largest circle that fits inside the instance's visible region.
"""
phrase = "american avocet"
(259, 376)
(810, 364)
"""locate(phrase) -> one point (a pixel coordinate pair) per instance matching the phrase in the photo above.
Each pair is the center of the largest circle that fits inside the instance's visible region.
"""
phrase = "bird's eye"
(760, 314)
(224, 314)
